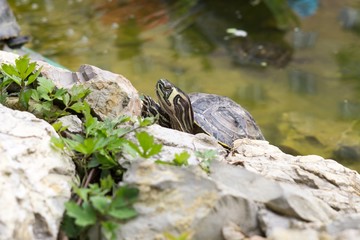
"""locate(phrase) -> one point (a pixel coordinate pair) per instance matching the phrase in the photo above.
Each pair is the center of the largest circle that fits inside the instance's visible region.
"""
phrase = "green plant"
(104, 205)
(205, 157)
(146, 148)
(23, 74)
(46, 94)
(180, 159)
(41, 90)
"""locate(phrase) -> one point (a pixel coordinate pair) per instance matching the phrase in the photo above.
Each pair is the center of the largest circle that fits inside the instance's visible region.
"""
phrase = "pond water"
(299, 79)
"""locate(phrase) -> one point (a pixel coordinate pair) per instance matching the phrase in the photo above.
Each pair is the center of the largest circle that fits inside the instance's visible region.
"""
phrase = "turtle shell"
(224, 119)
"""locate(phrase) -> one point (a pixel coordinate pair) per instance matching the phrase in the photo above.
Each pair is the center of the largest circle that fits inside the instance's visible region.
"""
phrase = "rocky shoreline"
(255, 191)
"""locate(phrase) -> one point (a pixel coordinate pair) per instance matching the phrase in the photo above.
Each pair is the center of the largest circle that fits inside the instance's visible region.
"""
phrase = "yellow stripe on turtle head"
(176, 104)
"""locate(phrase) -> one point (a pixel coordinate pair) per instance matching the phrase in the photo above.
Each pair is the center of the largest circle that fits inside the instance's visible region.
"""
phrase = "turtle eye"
(167, 86)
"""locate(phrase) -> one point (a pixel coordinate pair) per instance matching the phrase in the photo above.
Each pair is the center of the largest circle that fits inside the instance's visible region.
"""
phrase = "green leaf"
(124, 197)
(6, 82)
(35, 95)
(66, 99)
(146, 121)
(107, 182)
(83, 193)
(24, 98)
(10, 71)
(59, 93)
(90, 145)
(77, 107)
(78, 92)
(58, 126)
(109, 229)
(181, 159)
(46, 85)
(84, 216)
(104, 160)
(149, 148)
(100, 203)
(123, 214)
(21, 64)
(145, 140)
(57, 142)
(115, 143)
(69, 227)
(34, 76)
(155, 149)
(47, 106)
(131, 148)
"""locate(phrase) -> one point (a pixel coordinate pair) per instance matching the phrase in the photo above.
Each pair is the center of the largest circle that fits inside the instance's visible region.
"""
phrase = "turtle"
(9, 28)
(215, 115)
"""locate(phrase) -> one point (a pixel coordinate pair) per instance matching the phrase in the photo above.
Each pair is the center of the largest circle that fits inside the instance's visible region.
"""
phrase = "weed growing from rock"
(99, 203)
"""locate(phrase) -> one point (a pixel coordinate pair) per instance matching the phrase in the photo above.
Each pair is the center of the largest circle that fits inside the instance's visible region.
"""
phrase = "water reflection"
(349, 110)
(302, 82)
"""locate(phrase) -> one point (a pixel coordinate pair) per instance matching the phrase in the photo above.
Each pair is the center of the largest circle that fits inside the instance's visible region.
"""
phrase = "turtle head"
(176, 104)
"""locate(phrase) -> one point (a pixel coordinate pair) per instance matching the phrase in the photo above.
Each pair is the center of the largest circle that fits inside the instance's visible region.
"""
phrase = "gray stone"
(112, 95)
(175, 142)
(35, 178)
(286, 199)
(344, 223)
(183, 200)
(72, 122)
(291, 234)
(323, 178)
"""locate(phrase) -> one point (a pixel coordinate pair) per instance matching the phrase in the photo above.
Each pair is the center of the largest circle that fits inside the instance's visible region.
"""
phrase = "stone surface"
(72, 122)
(111, 94)
(286, 199)
(179, 200)
(34, 178)
(347, 222)
(325, 179)
(175, 142)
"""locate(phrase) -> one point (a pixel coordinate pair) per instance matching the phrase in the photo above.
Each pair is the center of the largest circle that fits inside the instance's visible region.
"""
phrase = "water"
(302, 85)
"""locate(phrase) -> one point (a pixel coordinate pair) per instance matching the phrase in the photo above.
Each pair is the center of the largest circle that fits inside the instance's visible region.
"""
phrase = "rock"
(285, 234)
(72, 122)
(284, 199)
(183, 200)
(231, 231)
(175, 142)
(112, 95)
(323, 178)
(35, 178)
(344, 224)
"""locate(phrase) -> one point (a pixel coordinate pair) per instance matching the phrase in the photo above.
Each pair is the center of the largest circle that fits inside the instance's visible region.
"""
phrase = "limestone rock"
(111, 94)
(285, 199)
(344, 224)
(325, 179)
(35, 178)
(175, 142)
(183, 200)
(284, 234)
(72, 122)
